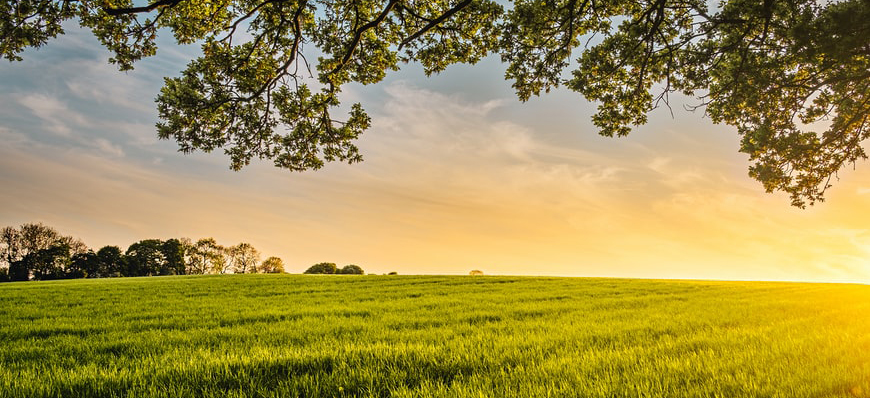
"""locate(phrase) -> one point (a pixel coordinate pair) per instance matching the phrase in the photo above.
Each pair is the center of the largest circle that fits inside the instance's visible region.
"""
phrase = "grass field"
(450, 336)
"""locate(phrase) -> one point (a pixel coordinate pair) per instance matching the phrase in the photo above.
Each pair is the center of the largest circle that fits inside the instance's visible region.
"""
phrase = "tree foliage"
(173, 253)
(207, 257)
(84, 265)
(271, 265)
(321, 268)
(770, 68)
(112, 261)
(243, 258)
(146, 258)
(45, 264)
(38, 252)
(16, 243)
(331, 268)
(351, 269)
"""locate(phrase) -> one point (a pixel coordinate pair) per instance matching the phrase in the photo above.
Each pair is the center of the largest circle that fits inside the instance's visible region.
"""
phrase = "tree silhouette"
(112, 261)
(173, 251)
(145, 258)
(47, 264)
(84, 265)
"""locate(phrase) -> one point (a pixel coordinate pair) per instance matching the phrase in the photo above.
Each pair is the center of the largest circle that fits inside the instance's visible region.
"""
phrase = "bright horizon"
(459, 175)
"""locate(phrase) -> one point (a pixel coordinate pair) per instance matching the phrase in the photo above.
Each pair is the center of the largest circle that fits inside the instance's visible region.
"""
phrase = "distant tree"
(112, 261)
(19, 271)
(272, 265)
(38, 236)
(48, 264)
(322, 268)
(191, 257)
(84, 265)
(393, 273)
(28, 238)
(476, 273)
(222, 263)
(225, 262)
(76, 245)
(10, 246)
(207, 257)
(145, 258)
(351, 269)
(174, 254)
(243, 258)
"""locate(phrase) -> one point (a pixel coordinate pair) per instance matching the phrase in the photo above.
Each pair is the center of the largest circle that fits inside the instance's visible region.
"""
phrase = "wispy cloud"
(55, 115)
(58, 118)
(109, 148)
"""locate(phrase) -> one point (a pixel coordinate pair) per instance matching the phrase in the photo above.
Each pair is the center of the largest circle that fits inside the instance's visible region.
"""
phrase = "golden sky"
(459, 175)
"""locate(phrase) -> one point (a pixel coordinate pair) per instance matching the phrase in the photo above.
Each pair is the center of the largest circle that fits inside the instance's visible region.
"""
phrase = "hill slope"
(450, 336)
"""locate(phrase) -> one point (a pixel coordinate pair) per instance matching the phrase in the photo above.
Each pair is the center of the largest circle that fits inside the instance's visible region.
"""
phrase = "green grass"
(451, 336)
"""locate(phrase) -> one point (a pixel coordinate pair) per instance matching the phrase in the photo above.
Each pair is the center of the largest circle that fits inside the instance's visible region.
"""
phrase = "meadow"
(432, 336)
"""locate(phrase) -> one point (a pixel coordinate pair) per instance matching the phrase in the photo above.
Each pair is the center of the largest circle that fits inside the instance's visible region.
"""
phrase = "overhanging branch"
(359, 32)
(435, 22)
(135, 10)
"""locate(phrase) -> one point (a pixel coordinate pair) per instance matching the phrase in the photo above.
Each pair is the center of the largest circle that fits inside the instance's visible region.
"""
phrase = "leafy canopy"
(771, 68)
(322, 268)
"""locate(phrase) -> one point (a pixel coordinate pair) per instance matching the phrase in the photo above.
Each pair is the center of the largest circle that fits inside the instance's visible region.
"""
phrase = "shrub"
(322, 268)
(351, 269)
(272, 265)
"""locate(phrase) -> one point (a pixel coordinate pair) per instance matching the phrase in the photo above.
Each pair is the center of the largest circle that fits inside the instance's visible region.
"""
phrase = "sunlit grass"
(400, 336)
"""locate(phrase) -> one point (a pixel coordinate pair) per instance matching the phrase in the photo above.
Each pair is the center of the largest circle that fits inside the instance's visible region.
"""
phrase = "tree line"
(35, 251)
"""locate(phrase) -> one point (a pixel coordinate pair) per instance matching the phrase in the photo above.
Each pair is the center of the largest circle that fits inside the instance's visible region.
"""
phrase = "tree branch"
(359, 32)
(136, 10)
(435, 22)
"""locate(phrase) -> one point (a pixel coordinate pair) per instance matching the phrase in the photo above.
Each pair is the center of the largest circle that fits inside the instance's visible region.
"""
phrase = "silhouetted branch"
(435, 22)
(136, 10)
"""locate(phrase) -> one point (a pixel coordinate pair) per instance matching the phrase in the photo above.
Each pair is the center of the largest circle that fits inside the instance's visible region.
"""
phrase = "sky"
(458, 175)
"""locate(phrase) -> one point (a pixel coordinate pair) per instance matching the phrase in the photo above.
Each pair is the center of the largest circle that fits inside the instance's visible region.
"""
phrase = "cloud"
(460, 142)
(54, 113)
(70, 125)
(14, 139)
(109, 148)
(79, 100)
(124, 92)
